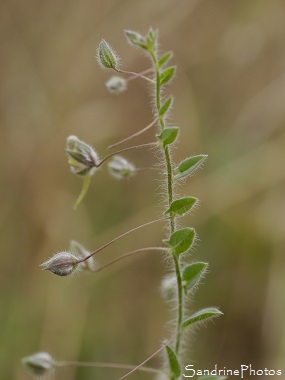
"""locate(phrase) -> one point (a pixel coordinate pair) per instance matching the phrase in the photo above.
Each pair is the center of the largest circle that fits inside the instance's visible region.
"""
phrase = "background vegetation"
(229, 89)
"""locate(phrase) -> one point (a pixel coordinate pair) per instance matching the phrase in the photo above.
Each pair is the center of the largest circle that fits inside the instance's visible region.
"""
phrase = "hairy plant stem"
(158, 96)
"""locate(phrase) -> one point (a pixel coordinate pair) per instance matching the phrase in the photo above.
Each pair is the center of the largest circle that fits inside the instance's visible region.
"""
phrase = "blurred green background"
(229, 102)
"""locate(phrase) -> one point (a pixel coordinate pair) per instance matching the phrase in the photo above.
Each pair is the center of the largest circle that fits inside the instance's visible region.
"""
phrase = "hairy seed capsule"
(121, 168)
(116, 85)
(61, 264)
(106, 56)
(38, 364)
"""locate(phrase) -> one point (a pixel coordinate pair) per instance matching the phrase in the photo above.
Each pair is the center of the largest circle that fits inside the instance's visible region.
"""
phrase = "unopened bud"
(120, 168)
(106, 56)
(38, 364)
(82, 158)
(61, 264)
(80, 252)
(116, 85)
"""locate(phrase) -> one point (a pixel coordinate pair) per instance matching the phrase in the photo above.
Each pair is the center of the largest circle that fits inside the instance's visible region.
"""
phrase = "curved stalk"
(106, 365)
(124, 150)
(134, 74)
(118, 238)
(141, 364)
(133, 135)
(126, 255)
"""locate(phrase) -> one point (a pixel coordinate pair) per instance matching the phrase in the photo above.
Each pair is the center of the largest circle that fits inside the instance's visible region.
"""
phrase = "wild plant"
(84, 162)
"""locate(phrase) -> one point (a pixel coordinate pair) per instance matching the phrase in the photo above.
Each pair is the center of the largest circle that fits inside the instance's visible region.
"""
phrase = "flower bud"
(106, 56)
(136, 39)
(120, 168)
(38, 364)
(62, 264)
(116, 85)
(82, 158)
(80, 252)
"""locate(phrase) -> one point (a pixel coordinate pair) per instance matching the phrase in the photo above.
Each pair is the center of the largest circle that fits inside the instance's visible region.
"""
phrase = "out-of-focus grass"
(229, 93)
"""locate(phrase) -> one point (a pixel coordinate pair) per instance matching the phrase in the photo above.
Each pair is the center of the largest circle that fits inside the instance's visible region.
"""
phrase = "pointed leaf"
(192, 274)
(165, 107)
(166, 75)
(181, 240)
(165, 58)
(168, 135)
(174, 365)
(202, 315)
(182, 205)
(188, 166)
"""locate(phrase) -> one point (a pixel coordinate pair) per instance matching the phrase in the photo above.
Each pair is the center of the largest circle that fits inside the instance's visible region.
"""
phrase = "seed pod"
(38, 364)
(61, 264)
(106, 56)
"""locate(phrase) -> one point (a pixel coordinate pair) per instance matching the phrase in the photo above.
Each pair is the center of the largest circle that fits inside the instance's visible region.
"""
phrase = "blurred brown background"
(229, 102)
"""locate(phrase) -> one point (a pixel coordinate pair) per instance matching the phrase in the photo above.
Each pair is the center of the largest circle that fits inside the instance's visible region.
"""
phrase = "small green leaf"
(85, 187)
(190, 164)
(212, 377)
(165, 107)
(201, 315)
(165, 58)
(192, 274)
(181, 206)
(174, 365)
(166, 75)
(181, 240)
(168, 135)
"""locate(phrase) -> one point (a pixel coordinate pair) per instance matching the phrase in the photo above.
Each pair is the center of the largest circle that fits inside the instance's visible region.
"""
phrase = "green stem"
(180, 303)
(153, 55)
